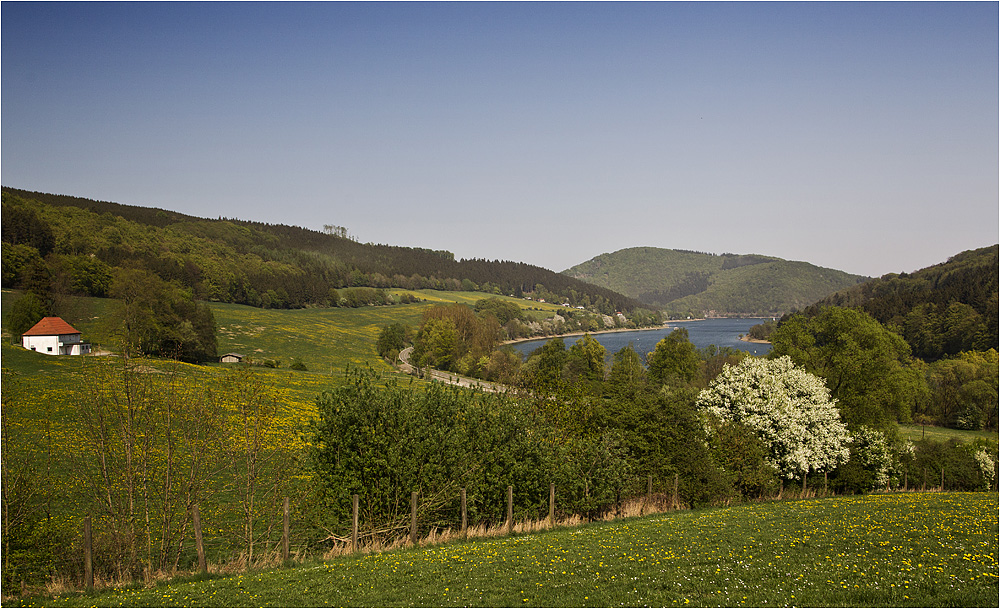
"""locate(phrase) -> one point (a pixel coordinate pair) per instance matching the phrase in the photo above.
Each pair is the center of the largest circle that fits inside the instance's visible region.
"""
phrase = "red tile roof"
(51, 326)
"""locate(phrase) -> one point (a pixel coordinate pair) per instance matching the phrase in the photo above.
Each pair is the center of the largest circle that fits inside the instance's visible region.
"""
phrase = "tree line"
(728, 426)
(79, 242)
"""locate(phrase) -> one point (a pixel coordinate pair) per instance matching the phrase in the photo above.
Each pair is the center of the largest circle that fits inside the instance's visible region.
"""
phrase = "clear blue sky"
(862, 137)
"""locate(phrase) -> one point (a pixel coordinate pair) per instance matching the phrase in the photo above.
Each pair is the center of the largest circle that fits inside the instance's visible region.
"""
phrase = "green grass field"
(329, 340)
(876, 550)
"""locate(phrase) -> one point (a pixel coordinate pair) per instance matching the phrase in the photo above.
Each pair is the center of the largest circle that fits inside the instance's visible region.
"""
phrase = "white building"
(53, 336)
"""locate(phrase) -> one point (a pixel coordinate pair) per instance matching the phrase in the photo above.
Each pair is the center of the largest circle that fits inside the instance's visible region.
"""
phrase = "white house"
(232, 358)
(53, 336)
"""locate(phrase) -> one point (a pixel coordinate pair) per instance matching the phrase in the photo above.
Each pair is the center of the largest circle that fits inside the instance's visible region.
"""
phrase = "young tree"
(789, 409)
(675, 360)
(26, 311)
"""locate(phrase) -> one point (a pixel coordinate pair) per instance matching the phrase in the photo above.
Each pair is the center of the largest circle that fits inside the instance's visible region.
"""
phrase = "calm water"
(718, 332)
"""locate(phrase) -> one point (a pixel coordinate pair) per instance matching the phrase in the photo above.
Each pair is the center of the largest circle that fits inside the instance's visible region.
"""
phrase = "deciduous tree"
(789, 409)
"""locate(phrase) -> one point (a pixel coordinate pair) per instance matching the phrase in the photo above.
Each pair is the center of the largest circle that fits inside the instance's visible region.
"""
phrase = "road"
(445, 377)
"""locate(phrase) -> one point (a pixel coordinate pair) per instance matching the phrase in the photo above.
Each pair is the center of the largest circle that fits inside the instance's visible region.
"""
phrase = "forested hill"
(940, 310)
(80, 241)
(695, 283)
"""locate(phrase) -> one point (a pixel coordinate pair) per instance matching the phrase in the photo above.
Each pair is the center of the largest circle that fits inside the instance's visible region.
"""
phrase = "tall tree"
(867, 367)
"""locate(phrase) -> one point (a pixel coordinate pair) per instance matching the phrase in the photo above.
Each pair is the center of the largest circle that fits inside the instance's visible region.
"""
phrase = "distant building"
(232, 358)
(53, 336)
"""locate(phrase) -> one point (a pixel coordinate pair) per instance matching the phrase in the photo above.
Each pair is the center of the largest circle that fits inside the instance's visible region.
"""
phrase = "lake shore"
(666, 325)
(758, 341)
(581, 333)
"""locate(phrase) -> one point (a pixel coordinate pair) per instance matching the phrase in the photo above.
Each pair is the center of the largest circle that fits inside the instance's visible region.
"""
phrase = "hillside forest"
(77, 244)
(138, 441)
(684, 283)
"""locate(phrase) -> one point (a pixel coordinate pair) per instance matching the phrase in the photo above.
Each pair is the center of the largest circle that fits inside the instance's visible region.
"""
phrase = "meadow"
(41, 419)
(910, 549)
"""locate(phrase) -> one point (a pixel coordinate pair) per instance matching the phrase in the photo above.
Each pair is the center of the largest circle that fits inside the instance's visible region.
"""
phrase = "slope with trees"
(685, 282)
(940, 310)
(78, 241)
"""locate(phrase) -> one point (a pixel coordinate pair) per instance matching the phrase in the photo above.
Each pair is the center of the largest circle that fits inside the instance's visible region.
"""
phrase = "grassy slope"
(772, 287)
(876, 550)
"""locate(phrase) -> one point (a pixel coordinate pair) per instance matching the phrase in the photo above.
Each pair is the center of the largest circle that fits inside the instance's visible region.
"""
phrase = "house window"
(49, 349)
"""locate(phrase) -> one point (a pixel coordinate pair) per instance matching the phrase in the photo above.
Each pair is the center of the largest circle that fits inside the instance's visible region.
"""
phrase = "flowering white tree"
(789, 409)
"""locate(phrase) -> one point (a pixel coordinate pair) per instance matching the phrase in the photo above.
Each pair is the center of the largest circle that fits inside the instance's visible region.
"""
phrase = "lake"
(721, 332)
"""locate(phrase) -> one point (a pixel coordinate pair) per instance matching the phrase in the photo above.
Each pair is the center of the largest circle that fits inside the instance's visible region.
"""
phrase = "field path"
(445, 377)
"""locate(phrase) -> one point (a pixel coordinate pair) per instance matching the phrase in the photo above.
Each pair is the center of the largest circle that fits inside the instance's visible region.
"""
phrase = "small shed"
(53, 336)
(232, 358)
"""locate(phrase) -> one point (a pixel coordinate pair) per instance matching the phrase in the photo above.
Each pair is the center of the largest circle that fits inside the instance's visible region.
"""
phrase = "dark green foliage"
(670, 439)
(743, 458)
(264, 265)
(763, 331)
(159, 318)
(298, 365)
(962, 470)
(941, 310)
(22, 226)
(383, 441)
(17, 259)
(675, 360)
(503, 310)
(26, 311)
(963, 391)
(867, 367)
(391, 340)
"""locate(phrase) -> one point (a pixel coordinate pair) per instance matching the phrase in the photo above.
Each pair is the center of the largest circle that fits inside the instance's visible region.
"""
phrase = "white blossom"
(986, 465)
(789, 409)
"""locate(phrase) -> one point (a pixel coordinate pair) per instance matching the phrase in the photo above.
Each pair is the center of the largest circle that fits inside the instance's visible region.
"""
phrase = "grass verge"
(911, 549)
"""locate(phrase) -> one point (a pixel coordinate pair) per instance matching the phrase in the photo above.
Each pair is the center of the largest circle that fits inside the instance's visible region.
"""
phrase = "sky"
(856, 136)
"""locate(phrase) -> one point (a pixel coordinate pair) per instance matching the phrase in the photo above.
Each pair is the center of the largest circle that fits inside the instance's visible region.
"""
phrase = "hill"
(80, 241)
(695, 283)
(940, 310)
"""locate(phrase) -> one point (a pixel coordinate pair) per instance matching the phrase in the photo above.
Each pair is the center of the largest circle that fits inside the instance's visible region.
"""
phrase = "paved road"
(444, 377)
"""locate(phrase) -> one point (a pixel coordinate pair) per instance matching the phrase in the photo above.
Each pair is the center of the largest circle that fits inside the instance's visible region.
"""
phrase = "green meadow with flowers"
(909, 549)
(903, 550)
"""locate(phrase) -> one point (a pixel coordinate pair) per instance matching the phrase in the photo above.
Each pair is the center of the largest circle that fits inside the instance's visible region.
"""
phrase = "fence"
(666, 499)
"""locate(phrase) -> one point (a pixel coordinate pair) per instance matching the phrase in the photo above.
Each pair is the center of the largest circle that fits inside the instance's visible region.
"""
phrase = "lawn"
(911, 549)
(914, 433)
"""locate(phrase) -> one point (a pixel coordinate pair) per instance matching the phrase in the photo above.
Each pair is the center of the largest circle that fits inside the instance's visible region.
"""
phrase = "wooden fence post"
(88, 555)
(465, 517)
(413, 518)
(924, 488)
(198, 540)
(942, 478)
(676, 499)
(285, 530)
(354, 524)
(552, 504)
(510, 509)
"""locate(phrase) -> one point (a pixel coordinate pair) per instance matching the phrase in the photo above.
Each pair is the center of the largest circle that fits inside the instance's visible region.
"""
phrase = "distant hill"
(940, 310)
(77, 242)
(694, 283)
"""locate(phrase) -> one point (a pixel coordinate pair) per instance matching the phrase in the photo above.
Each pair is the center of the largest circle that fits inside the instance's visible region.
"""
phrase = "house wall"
(48, 345)
(65, 344)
